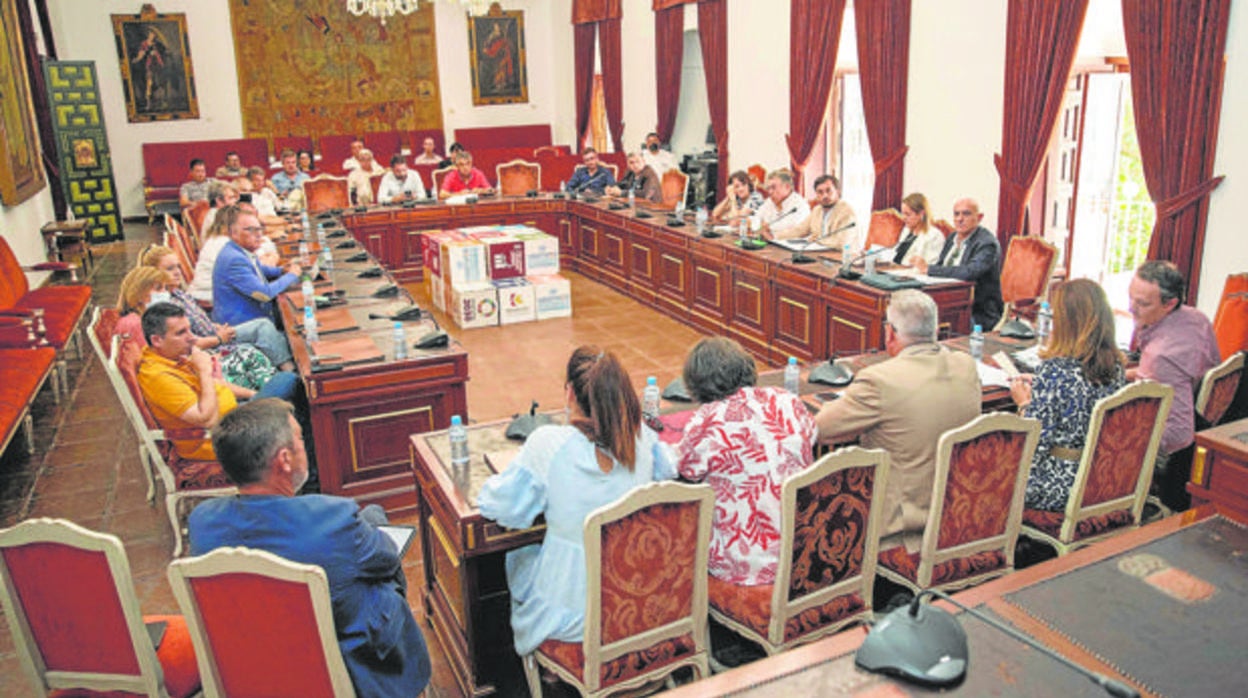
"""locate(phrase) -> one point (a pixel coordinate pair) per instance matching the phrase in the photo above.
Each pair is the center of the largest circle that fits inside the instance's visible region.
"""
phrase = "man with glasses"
(830, 222)
(972, 254)
(243, 289)
(903, 405)
(593, 177)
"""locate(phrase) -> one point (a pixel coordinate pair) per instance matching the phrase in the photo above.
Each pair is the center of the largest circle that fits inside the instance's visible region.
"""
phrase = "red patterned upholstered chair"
(758, 174)
(326, 192)
(1025, 274)
(70, 604)
(240, 604)
(944, 226)
(517, 177)
(177, 240)
(1114, 472)
(885, 228)
(675, 186)
(185, 481)
(437, 176)
(829, 539)
(1218, 387)
(374, 182)
(977, 506)
(193, 218)
(645, 615)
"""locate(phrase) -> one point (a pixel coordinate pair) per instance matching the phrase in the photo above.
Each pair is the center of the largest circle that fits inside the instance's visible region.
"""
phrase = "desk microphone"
(800, 256)
(847, 273)
(926, 644)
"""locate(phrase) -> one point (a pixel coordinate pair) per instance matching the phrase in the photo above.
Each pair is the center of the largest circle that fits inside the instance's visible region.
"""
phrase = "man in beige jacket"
(831, 220)
(903, 405)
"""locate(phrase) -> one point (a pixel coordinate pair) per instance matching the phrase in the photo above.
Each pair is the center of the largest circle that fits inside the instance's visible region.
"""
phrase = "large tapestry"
(311, 68)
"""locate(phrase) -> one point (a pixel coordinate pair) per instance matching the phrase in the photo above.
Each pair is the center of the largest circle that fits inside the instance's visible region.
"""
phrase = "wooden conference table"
(773, 306)
(465, 592)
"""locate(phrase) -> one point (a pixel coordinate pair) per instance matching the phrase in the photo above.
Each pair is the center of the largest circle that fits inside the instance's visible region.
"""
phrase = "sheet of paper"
(401, 535)
(800, 246)
(991, 375)
(1003, 360)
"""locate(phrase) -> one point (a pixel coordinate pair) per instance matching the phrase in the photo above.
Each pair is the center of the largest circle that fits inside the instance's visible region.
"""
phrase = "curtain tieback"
(1018, 191)
(1168, 208)
(890, 161)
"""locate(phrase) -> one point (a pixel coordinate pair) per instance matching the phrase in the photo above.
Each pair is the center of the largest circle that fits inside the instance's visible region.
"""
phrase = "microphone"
(927, 644)
(847, 273)
(800, 256)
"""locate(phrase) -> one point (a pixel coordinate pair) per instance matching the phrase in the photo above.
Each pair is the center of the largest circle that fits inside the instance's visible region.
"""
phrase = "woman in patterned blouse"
(744, 441)
(742, 199)
(1081, 365)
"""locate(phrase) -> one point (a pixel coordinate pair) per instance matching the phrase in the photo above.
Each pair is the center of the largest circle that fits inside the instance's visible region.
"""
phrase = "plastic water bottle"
(320, 233)
(977, 343)
(632, 200)
(1044, 323)
(743, 230)
(563, 186)
(459, 444)
(869, 265)
(303, 252)
(400, 342)
(701, 217)
(303, 219)
(650, 398)
(309, 324)
(793, 376)
(327, 258)
(308, 291)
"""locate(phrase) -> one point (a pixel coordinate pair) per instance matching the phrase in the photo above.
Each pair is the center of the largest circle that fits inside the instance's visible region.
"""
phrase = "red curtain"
(1040, 42)
(814, 33)
(612, 80)
(883, 69)
(1177, 50)
(594, 10)
(669, 49)
(713, 34)
(583, 73)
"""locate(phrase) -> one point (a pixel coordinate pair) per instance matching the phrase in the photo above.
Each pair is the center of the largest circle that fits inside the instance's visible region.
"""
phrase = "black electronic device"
(530, 194)
(558, 195)
(752, 244)
(639, 213)
(360, 209)
(409, 203)
(358, 257)
(710, 233)
(926, 644)
(334, 212)
(524, 424)
(386, 291)
(345, 245)
(411, 313)
(589, 198)
(616, 206)
(324, 215)
(244, 198)
(831, 373)
(675, 222)
(1018, 328)
(337, 233)
(371, 273)
(437, 339)
(677, 391)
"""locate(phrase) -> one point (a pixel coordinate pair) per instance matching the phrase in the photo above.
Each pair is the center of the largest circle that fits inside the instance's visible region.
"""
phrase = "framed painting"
(156, 69)
(21, 171)
(496, 55)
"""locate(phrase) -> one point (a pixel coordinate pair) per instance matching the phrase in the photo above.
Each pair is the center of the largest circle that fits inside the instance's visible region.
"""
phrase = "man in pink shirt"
(465, 179)
(1177, 347)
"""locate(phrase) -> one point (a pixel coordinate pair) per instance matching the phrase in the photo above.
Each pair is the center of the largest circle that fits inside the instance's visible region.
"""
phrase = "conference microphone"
(927, 644)
(800, 256)
(847, 273)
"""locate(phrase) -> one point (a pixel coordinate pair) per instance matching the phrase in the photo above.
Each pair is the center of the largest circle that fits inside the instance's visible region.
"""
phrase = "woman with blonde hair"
(213, 241)
(566, 472)
(1080, 365)
(920, 239)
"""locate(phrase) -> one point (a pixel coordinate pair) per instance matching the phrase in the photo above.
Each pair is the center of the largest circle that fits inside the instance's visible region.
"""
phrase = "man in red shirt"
(466, 179)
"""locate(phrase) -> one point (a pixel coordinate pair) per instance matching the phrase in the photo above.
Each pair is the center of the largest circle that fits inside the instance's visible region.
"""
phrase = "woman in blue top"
(566, 472)
(1081, 365)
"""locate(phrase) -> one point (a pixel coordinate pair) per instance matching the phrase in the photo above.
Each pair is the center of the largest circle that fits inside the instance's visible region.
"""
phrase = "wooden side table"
(62, 236)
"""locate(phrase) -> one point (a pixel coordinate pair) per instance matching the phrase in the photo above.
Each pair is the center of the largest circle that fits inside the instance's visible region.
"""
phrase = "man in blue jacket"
(972, 253)
(592, 177)
(243, 289)
(260, 446)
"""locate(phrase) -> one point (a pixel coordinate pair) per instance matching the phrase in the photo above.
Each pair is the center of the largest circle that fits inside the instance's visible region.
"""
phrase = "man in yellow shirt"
(177, 381)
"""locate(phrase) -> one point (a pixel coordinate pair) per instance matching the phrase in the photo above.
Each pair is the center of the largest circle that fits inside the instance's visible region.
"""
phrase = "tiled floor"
(85, 466)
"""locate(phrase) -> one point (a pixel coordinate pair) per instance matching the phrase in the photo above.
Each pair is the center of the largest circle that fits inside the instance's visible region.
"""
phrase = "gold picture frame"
(21, 169)
(156, 68)
(497, 57)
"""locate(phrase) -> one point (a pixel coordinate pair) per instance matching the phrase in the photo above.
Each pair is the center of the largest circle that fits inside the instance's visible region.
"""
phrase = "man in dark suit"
(260, 446)
(972, 254)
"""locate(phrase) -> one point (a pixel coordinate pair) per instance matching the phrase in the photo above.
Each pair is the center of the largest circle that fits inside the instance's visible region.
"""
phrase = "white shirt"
(792, 211)
(350, 164)
(358, 181)
(265, 202)
(201, 282)
(927, 245)
(391, 187)
(660, 162)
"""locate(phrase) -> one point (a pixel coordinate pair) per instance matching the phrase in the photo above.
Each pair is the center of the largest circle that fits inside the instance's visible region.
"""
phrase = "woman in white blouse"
(920, 238)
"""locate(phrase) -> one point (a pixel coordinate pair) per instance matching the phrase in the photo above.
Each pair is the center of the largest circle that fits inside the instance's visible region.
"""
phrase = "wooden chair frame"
(246, 561)
(873, 234)
(523, 165)
(696, 624)
(436, 177)
(1011, 304)
(1075, 512)
(1234, 363)
(325, 181)
(783, 609)
(930, 554)
(149, 680)
(674, 204)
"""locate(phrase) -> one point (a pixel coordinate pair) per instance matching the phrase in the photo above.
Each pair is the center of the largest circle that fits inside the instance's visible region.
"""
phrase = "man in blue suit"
(972, 253)
(260, 446)
(243, 289)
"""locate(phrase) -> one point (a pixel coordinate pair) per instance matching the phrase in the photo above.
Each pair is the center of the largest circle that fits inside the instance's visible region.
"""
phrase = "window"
(849, 156)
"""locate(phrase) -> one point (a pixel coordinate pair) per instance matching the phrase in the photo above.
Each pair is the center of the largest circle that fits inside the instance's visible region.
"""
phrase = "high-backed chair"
(675, 186)
(175, 239)
(326, 192)
(1230, 322)
(885, 228)
(240, 604)
(1218, 388)
(830, 516)
(1025, 274)
(69, 601)
(57, 310)
(374, 182)
(977, 506)
(645, 613)
(437, 176)
(517, 177)
(944, 226)
(193, 218)
(615, 169)
(1114, 472)
(757, 173)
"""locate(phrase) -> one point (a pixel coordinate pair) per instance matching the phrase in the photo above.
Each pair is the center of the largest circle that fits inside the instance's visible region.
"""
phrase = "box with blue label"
(541, 252)
(552, 296)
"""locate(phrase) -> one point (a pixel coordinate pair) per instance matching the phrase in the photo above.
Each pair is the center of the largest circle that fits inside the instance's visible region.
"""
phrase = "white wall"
(637, 65)
(84, 31)
(693, 115)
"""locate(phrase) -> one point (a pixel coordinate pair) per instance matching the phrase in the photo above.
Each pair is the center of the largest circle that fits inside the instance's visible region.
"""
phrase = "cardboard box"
(505, 255)
(463, 263)
(431, 249)
(515, 301)
(437, 291)
(552, 296)
(474, 305)
(541, 252)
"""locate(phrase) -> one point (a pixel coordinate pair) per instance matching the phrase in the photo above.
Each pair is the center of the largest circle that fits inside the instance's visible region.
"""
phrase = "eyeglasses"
(253, 229)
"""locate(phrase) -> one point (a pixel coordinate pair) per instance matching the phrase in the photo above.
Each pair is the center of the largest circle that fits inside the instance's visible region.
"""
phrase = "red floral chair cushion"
(830, 530)
(1024, 273)
(751, 606)
(571, 656)
(907, 565)
(1221, 396)
(1050, 522)
(983, 473)
(1120, 450)
(197, 474)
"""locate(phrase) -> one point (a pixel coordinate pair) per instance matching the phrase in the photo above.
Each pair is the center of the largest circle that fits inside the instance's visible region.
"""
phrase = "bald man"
(972, 254)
